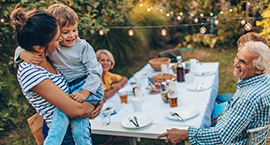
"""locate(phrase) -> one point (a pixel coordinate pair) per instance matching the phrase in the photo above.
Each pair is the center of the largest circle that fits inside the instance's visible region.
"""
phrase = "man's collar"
(251, 80)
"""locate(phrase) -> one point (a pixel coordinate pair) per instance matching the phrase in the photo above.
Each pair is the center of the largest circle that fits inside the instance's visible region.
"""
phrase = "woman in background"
(111, 82)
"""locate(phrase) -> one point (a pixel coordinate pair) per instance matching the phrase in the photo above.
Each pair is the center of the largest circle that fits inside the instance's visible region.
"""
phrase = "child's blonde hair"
(64, 15)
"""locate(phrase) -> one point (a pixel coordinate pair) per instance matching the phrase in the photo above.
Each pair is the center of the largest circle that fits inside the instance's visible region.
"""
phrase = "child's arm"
(27, 56)
(80, 97)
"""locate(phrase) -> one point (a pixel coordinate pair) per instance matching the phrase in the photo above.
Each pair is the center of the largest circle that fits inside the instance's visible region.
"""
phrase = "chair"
(35, 123)
(261, 138)
(224, 97)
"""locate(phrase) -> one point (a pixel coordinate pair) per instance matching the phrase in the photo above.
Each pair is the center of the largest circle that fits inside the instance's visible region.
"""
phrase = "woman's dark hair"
(34, 27)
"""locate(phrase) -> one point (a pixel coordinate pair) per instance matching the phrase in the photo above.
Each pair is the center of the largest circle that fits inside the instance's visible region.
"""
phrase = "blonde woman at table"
(111, 82)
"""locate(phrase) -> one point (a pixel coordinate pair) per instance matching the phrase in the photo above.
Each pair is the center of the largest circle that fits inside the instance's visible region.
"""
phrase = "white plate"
(144, 73)
(199, 86)
(185, 112)
(204, 72)
(142, 118)
(127, 89)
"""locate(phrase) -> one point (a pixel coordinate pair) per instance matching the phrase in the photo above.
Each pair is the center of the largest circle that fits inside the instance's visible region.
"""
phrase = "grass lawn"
(22, 136)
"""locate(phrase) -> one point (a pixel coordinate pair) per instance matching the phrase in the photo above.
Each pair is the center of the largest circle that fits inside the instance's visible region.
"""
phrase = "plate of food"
(164, 77)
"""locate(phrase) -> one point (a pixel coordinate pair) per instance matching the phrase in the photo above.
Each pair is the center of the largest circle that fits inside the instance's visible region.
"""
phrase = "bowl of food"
(155, 63)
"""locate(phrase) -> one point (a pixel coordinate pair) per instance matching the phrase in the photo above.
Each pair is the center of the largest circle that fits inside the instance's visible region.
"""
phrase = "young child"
(76, 60)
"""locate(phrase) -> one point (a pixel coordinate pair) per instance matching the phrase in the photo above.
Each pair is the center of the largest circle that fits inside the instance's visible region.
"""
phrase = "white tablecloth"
(155, 107)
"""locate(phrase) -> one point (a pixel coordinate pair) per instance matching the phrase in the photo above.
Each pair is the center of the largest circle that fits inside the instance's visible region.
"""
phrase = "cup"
(106, 117)
(194, 64)
(189, 78)
(137, 104)
(138, 79)
(164, 68)
(123, 97)
(172, 100)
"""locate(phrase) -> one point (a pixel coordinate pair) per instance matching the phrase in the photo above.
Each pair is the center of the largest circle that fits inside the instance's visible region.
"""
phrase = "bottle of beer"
(180, 70)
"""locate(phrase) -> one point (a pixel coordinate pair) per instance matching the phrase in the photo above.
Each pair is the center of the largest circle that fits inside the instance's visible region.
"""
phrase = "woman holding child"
(42, 84)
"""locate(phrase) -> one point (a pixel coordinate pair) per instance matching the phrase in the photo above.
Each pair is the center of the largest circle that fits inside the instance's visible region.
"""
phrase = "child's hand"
(31, 57)
(77, 97)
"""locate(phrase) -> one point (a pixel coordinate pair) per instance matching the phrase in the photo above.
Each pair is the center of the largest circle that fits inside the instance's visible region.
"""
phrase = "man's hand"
(31, 57)
(77, 97)
(95, 112)
(174, 135)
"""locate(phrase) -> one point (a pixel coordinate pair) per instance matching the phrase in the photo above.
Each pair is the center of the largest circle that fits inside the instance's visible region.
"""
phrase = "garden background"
(146, 18)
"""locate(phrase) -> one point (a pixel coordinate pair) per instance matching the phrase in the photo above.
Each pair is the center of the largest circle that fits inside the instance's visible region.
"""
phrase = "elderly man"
(249, 107)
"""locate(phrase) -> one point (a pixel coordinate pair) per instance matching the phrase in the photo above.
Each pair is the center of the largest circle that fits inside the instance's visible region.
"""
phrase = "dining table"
(194, 101)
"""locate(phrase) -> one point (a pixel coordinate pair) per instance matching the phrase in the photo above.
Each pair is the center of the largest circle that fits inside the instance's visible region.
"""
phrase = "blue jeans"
(80, 128)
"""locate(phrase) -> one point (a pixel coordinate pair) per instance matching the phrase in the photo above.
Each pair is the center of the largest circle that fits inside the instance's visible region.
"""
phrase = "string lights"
(180, 16)
(2, 20)
(130, 32)
(101, 32)
(248, 26)
(163, 31)
(203, 29)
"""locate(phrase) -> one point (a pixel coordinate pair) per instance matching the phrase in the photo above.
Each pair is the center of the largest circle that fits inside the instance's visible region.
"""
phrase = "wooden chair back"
(259, 139)
(35, 123)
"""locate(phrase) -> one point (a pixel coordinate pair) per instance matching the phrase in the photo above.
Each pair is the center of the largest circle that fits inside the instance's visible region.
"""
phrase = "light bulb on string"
(202, 29)
(248, 3)
(2, 20)
(221, 12)
(141, 4)
(178, 18)
(248, 26)
(230, 10)
(163, 31)
(211, 14)
(168, 14)
(243, 21)
(196, 20)
(101, 32)
(216, 21)
(130, 32)
(148, 9)
(191, 14)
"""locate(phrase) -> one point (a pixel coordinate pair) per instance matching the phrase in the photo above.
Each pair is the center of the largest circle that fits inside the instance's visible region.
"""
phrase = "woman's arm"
(114, 88)
(60, 99)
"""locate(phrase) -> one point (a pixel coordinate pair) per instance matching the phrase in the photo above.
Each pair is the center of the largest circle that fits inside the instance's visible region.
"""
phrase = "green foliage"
(265, 23)
(200, 40)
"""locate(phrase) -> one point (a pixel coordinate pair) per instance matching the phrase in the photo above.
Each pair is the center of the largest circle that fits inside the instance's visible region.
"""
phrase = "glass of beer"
(123, 97)
(173, 100)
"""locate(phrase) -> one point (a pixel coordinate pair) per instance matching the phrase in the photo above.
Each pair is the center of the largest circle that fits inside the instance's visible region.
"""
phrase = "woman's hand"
(97, 110)
(31, 57)
(116, 86)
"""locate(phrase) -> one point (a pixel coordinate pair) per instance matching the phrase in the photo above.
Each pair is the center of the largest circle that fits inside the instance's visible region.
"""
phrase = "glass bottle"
(180, 70)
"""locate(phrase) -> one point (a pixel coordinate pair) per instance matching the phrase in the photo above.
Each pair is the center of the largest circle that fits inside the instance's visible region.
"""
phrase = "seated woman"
(111, 82)
(43, 86)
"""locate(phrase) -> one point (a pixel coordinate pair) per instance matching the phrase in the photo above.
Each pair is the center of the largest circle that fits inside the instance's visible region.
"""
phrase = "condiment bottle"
(180, 70)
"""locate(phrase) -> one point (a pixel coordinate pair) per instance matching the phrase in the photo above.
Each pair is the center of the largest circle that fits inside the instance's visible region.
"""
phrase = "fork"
(177, 115)
(135, 118)
(131, 120)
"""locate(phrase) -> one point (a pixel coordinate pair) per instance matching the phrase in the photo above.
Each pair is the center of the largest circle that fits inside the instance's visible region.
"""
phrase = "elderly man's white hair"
(259, 48)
